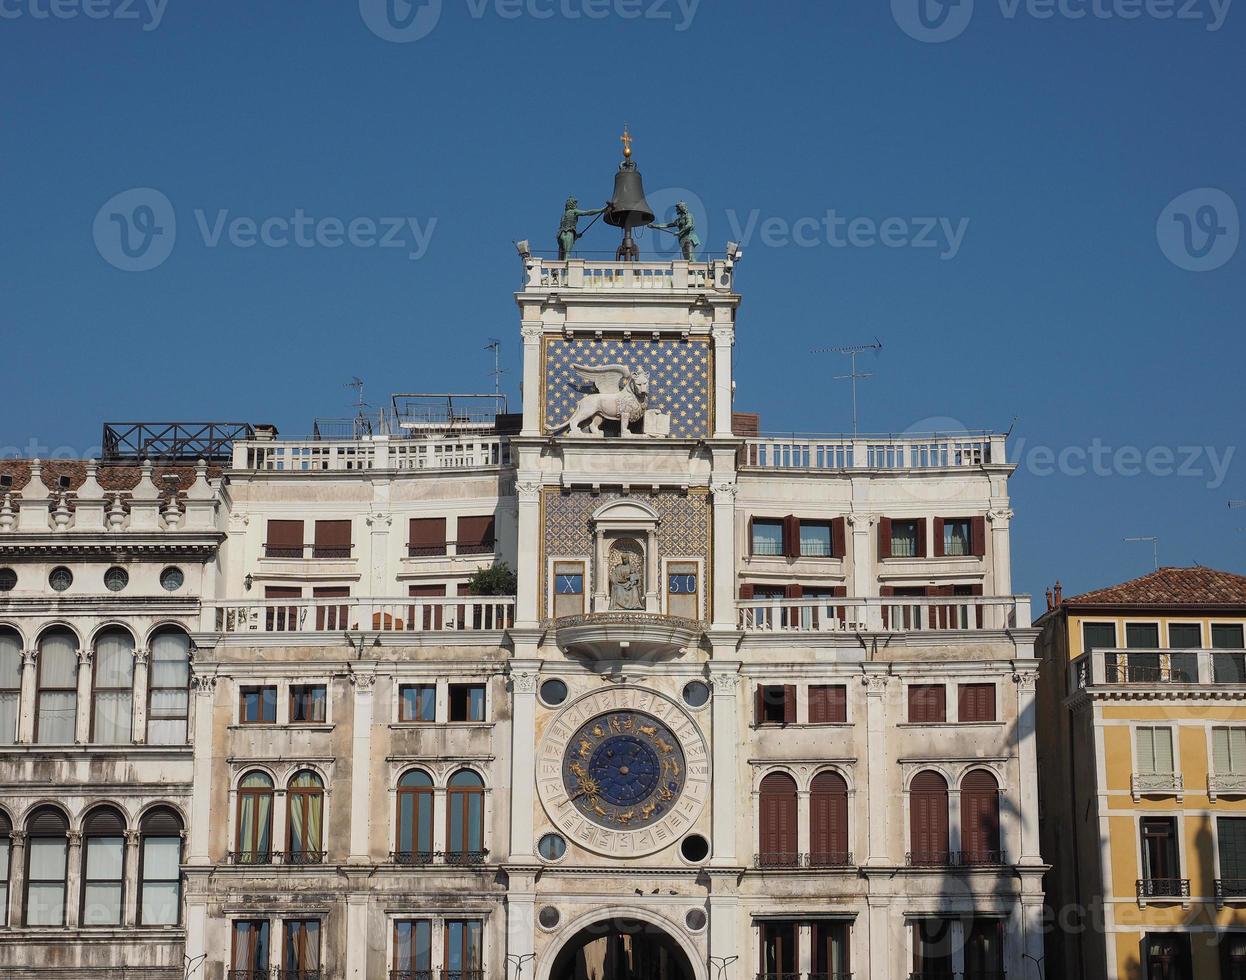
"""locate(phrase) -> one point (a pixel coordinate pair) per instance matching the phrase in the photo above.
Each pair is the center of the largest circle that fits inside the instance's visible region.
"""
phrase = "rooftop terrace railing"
(380, 453)
(406, 615)
(885, 614)
(880, 452)
(1181, 669)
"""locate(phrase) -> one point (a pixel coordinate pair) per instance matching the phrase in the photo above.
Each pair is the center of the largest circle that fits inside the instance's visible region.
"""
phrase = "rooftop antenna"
(495, 345)
(361, 424)
(1154, 547)
(852, 376)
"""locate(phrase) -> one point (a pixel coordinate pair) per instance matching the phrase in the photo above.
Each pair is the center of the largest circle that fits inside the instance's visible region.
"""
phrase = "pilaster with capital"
(73, 879)
(203, 738)
(26, 703)
(528, 600)
(363, 678)
(524, 677)
(876, 683)
(1026, 680)
(723, 615)
(130, 863)
(724, 340)
(864, 555)
(531, 331)
(82, 728)
(1001, 549)
(17, 876)
(142, 658)
(724, 683)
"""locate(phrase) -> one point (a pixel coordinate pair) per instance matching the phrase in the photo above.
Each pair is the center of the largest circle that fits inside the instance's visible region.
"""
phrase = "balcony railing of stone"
(1166, 669)
(1230, 890)
(350, 614)
(1225, 784)
(1162, 889)
(454, 859)
(767, 860)
(1157, 784)
(371, 453)
(886, 614)
(876, 452)
(670, 276)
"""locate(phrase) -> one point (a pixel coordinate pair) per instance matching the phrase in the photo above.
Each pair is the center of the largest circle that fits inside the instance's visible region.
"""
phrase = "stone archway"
(622, 947)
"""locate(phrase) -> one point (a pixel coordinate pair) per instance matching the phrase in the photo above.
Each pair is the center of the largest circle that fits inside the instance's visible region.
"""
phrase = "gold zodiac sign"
(649, 730)
(664, 747)
(646, 811)
(586, 748)
(665, 795)
(598, 731)
(615, 726)
(626, 818)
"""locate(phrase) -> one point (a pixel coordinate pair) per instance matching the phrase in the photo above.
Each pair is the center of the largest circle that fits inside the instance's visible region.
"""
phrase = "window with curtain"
(979, 818)
(984, 948)
(168, 684)
(932, 948)
(1228, 749)
(815, 539)
(6, 830)
(300, 958)
(255, 819)
(465, 803)
(1160, 865)
(308, 703)
(257, 705)
(777, 824)
(928, 819)
(56, 707)
(830, 950)
(305, 802)
(415, 818)
(10, 685)
(464, 951)
(1232, 955)
(778, 947)
(417, 702)
(250, 950)
(767, 538)
(467, 702)
(413, 949)
(1155, 751)
(112, 708)
(904, 543)
(47, 850)
(160, 875)
(957, 536)
(103, 867)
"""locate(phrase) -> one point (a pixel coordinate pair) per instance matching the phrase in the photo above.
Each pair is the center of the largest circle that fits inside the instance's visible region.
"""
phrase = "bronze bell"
(628, 209)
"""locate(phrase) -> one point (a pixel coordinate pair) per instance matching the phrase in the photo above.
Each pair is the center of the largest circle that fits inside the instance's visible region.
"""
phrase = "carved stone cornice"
(142, 656)
(532, 332)
(168, 546)
(724, 681)
(30, 657)
(379, 520)
(1026, 680)
(85, 657)
(363, 680)
(17, 838)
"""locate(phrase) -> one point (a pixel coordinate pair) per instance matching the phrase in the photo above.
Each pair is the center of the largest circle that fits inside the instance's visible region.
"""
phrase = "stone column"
(379, 575)
(724, 679)
(723, 605)
(203, 687)
(525, 675)
(142, 656)
(531, 331)
(878, 802)
(82, 734)
(1027, 758)
(1001, 550)
(724, 338)
(529, 601)
(131, 901)
(357, 925)
(363, 677)
(26, 702)
(73, 880)
(520, 928)
(17, 878)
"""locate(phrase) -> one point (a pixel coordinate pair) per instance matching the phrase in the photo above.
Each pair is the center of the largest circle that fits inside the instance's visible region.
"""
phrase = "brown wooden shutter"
(332, 539)
(978, 536)
(884, 537)
(747, 590)
(938, 548)
(331, 617)
(828, 704)
(928, 816)
(746, 424)
(285, 539)
(427, 536)
(927, 703)
(839, 538)
(759, 704)
(828, 819)
(976, 702)
(789, 704)
(921, 537)
(979, 815)
(778, 837)
(475, 532)
(431, 619)
(791, 536)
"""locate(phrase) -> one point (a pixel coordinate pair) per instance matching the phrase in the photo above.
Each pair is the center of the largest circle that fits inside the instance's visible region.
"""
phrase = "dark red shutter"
(928, 817)
(938, 551)
(791, 536)
(884, 537)
(979, 815)
(921, 537)
(778, 837)
(789, 704)
(927, 703)
(285, 539)
(431, 618)
(332, 539)
(828, 819)
(331, 617)
(281, 618)
(978, 536)
(475, 535)
(839, 536)
(976, 702)
(746, 590)
(828, 704)
(427, 536)
(793, 590)
(759, 704)
(840, 592)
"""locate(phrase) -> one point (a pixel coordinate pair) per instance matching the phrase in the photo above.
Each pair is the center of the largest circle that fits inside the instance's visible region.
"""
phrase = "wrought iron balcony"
(462, 975)
(955, 859)
(250, 857)
(1163, 889)
(1230, 890)
(270, 858)
(304, 857)
(299, 975)
(1157, 784)
(411, 975)
(454, 859)
(248, 975)
(411, 858)
(930, 859)
(829, 859)
(463, 858)
(778, 976)
(778, 859)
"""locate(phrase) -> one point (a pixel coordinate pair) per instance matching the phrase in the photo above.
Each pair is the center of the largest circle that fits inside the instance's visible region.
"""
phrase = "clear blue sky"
(1059, 140)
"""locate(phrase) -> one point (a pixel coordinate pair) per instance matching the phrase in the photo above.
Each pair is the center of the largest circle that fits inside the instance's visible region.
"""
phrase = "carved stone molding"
(726, 490)
(380, 520)
(862, 521)
(527, 491)
(723, 336)
(74, 838)
(30, 657)
(524, 681)
(531, 332)
(1026, 680)
(724, 682)
(17, 838)
(204, 684)
(363, 680)
(85, 657)
(142, 656)
(132, 838)
(875, 684)
(1000, 516)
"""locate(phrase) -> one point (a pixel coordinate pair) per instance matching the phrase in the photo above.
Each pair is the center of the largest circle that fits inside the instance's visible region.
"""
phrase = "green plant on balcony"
(498, 579)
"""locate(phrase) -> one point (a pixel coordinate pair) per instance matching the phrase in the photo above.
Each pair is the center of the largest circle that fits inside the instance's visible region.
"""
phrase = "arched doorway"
(621, 948)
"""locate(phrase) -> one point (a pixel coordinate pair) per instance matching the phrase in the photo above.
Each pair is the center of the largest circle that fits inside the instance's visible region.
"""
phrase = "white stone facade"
(781, 607)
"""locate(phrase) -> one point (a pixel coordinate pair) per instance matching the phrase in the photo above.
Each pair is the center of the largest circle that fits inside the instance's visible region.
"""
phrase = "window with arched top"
(465, 808)
(168, 684)
(254, 844)
(979, 818)
(928, 819)
(112, 695)
(304, 826)
(160, 863)
(47, 851)
(10, 687)
(103, 867)
(778, 845)
(6, 831)
(56, 706)
(413, 843)
(828, 821)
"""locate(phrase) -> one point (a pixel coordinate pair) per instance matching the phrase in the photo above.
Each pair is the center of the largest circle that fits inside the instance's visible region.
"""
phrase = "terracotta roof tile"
(1195, 586)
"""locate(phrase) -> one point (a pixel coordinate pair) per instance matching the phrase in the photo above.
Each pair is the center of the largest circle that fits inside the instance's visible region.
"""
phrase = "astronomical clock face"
(623, 772)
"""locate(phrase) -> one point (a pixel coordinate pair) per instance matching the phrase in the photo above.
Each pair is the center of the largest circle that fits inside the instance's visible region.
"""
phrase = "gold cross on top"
(627, 142)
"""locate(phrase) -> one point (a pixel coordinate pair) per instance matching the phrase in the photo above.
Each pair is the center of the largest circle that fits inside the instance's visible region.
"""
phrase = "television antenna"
(1154, 547)
(495, 345)
(853, 375)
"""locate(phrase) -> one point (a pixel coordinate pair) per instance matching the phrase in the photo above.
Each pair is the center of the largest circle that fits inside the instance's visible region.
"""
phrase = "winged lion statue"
(621, 394)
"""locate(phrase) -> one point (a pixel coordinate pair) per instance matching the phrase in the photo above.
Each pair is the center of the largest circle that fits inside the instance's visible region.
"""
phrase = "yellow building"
(1142, 770)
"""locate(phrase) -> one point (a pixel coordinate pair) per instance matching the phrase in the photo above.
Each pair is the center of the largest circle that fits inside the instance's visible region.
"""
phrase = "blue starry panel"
(679, 378)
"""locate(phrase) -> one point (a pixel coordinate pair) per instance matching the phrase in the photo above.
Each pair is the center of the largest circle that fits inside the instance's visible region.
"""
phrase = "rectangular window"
(815, 539)
(308, 703)
(767, 538)
(1228, 668)
(830, 950)
(467, 702)
(1185, 636)
(300, 958)
(1142, 636)
(568, 588)
(250, 950)
(257, 706)
(1228, 750)
(45, 886)
(1154, 751)
(427, 537)
(160, 869)
(1167, 956)
(828, 704)
(1232, 955)
(957, 537)
(475, 536)
(168, 684)
(1231, 844)
(285, 539)
(927, 704)
(683, 597)
(776, 704)
(413, 949)
(464, 950)
(278, 617)
(417, 702)
(904, 539)
(1159, 853)
(1098, 636)
(779, 949)
(112, 709)
(102, 881)
(932, 948)
(333, 617)
(984, 949)
(10, 689)
(332, 540)
(1226, 636)
(976, 702)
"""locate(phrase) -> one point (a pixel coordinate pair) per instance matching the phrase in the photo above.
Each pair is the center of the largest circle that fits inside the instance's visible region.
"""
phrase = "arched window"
(10, 687)
(828, 821)
(778, 827)
(928, 819)
(414, 842)
(979, 818)
(255, 819)
(103, 867)
(465, 798)
(160, 875)
(47, 849)
(168, 681)
(56, 709)
(305, 801)
(112, 705)
(6, 830)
